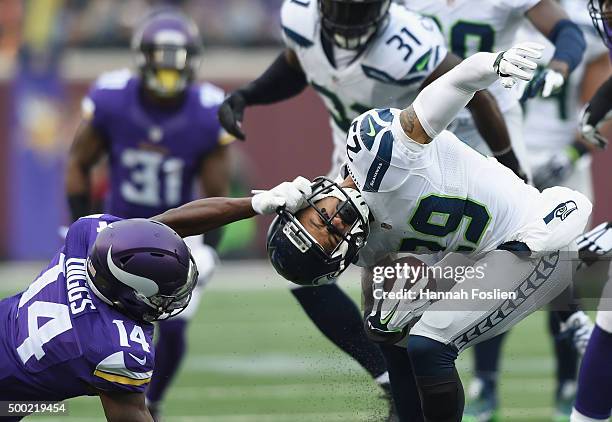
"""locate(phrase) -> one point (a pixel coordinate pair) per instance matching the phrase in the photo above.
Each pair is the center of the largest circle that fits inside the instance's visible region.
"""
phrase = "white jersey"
(471, 26)
(443, 196)
(389, 72)
(561, 110)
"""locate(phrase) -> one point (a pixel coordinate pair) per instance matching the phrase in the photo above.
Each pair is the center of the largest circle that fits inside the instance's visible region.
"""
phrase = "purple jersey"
(58, 340)
(154, 153)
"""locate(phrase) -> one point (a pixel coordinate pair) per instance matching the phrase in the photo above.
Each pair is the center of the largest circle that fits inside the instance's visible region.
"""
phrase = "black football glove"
(231, 113)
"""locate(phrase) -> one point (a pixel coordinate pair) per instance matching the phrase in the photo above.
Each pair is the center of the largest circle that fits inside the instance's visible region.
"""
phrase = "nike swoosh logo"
(385, 320)
(143, 285)
(372, 132)
(140, 361)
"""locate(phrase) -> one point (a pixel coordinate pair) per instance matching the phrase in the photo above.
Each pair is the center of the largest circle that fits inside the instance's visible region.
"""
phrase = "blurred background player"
(593, 399)
(160, 131)
(492, 26)
(357, 55)
(559, 157)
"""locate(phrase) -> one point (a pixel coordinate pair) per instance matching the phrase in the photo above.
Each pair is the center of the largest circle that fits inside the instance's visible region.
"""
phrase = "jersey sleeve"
(378, 158)
(519, 7)
(120, 356)
(299, 23)
(98, 106)
(408, 51)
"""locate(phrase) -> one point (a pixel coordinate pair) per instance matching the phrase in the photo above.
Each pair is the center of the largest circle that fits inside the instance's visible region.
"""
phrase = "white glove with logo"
(518, 63)
(291, 195)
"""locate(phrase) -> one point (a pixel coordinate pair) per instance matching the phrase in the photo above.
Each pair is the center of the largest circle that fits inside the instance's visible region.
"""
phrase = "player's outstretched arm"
(203, 215)
(438, 104)
(282, 80)
(488, 118)
(125, 407)
(87, 148)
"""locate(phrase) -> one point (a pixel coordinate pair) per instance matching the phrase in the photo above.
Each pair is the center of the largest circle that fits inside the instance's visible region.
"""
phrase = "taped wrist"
(279, 82)
(79, 205)
(569, 43)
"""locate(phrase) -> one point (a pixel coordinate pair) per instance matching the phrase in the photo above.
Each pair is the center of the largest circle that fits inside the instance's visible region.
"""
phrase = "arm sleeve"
(438, 103)
(279, 82)
(601, 103)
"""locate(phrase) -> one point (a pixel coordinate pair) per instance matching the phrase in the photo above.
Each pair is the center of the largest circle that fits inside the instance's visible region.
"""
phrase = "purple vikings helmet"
(142, 268)
(167, 45)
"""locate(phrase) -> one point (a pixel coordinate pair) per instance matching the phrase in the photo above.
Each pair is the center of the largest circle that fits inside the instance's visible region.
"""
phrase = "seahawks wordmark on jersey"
(58, 340)
(154, 153)
(388, 72)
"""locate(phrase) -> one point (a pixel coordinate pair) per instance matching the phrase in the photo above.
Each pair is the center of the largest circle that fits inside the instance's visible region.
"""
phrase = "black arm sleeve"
(79, 205)
(601, 103)
(279, 82)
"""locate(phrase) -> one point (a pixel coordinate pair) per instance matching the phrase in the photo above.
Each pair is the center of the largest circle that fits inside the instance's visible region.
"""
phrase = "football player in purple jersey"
(160, 131)
(84, 326)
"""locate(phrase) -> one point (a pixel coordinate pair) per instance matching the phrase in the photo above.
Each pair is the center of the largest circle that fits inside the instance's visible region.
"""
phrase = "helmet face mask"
(299, 257)
(167, 47)
(350, 24)
(601, 16)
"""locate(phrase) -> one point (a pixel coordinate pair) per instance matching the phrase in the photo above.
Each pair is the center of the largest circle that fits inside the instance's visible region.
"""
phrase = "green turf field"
(255, 357)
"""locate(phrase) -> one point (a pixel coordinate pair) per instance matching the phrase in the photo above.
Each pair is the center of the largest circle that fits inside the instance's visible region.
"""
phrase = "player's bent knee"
(431, 357)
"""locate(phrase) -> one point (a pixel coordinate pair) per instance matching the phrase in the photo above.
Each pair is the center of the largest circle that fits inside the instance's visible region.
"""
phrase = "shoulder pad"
(116, 79)
(211, 95)
(121, 355)
(299, 22)
(373, 160)
(121, 368)
(407, 51)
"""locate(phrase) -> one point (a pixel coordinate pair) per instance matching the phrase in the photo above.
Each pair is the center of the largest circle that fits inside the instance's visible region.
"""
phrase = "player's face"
(315, 226)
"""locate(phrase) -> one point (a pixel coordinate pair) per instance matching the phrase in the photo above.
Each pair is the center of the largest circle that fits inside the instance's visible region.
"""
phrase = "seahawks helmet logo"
(562, 211)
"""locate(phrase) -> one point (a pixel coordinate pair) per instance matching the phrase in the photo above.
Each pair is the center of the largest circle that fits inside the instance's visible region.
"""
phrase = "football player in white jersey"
(412, 186)
(357, 54)
(492, 26)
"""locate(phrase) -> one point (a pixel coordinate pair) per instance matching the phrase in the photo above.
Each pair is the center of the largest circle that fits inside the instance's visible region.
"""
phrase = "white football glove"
(580, 327)
(597, 241)
(518, 63)
(291, 195)
(394, 315)
(545, 83)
